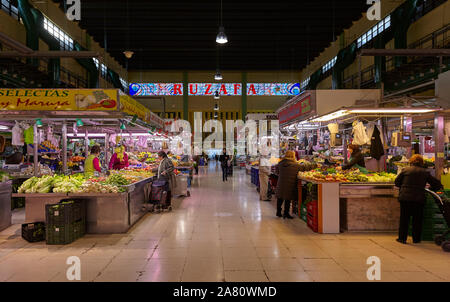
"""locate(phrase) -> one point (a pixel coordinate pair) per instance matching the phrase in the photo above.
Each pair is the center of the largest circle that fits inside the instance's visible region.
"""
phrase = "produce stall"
(349, 201)
(363, 200)
(114, 203)
(48, 119)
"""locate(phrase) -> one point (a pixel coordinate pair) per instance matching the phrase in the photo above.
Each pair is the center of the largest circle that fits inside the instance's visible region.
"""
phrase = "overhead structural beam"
(11, 43)
(50, 54)
(406, 52)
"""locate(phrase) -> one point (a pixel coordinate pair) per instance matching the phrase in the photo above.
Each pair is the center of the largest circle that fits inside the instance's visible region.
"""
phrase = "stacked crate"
(65, 221)
(312, 213)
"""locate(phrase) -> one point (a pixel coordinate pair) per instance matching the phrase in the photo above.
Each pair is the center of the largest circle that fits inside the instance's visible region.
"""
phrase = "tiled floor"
(222, 233)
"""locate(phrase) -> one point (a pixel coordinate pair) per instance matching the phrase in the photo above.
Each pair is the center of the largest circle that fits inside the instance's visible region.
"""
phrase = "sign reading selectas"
(209, 89)
(59, 99)
(296, 110)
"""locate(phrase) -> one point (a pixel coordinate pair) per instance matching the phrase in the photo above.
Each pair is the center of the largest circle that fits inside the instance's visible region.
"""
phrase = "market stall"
(48, 119)
(362, 199)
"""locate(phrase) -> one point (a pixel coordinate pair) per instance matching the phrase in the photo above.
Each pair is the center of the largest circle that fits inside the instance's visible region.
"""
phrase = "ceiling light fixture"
(216, 107)
(221, 36)
(218, 76)
(39, 122)
(128, 54)
(216, 95)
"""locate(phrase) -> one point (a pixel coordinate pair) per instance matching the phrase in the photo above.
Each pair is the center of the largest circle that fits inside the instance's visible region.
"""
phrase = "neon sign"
(156, 89)
(273, 89)
(230, 89)
(209, 89)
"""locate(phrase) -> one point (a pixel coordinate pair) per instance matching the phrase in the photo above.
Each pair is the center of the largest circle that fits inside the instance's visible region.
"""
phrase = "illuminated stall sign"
(295, 111)
(230, 89)
(273, 89)
(156, 89)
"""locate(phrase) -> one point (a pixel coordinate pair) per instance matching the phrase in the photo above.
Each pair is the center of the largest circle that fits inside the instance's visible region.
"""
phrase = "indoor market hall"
(222, 232)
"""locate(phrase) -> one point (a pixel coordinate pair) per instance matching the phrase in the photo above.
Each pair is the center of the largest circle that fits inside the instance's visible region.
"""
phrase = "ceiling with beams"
(180, 34)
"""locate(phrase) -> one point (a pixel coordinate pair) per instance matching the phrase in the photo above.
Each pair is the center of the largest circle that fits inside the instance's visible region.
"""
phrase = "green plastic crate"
(65, 234)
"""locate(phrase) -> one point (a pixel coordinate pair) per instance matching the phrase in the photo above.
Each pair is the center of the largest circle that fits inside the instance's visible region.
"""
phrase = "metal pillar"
(344, 146)
(106, 150)
(244, 96)
(64, 147)
(439, 144)
(86, 143)
(359, 72)
(407, 126)
(185, 96)
(35, 151)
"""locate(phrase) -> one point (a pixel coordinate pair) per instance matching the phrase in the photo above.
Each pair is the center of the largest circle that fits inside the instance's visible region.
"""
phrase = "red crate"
(312, 208)
(312, 223)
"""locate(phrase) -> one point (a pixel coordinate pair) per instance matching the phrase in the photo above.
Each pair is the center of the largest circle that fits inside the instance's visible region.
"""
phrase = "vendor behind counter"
(119, 160)
(356, 158)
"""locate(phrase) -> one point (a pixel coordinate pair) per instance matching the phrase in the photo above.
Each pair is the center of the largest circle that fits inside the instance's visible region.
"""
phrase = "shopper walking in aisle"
(165, 172)
(92, 163)
(224, 158)
(287, 171)
(412, 181)
(264, 171)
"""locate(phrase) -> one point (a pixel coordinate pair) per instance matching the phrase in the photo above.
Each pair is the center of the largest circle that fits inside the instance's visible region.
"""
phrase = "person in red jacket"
(119, 160)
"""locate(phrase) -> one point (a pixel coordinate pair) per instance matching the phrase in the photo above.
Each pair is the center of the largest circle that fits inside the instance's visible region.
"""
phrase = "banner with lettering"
(133, 107)
(230, 89)
(59, 99)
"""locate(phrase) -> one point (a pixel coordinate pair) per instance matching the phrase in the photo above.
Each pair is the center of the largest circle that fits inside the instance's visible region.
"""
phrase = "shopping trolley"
(443, 203)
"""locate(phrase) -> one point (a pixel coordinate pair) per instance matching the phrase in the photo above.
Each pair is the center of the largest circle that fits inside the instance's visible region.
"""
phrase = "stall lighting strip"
(403, 110)
(344, 112)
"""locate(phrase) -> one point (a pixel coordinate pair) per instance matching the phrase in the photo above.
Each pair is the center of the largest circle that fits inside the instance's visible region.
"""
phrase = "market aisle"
(222, 233)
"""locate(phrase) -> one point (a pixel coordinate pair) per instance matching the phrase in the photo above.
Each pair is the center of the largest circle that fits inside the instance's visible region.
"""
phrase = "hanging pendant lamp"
(221, 36)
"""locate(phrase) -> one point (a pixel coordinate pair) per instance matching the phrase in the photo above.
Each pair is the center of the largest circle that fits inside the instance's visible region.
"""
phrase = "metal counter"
(107, 213)
(5, 204)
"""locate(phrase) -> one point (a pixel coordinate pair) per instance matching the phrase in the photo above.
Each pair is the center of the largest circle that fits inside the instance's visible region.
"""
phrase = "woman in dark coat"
(287, 171)
(412, 181)
(356, 158)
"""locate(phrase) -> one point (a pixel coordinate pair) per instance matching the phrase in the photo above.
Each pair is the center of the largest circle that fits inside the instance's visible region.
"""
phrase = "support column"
(185, 96)
(439, 144)
(106, 150)
(64, 147)
(244, 95)
(35, 150)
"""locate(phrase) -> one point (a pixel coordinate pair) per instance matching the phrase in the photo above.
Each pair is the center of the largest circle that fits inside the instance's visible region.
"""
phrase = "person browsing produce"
(119, 160)
(166, 172)
(412, 181)
(92, 163)
(356, 158)
(286, 191)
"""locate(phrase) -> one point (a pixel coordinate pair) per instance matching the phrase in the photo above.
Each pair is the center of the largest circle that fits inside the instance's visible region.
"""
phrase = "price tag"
(440, 155)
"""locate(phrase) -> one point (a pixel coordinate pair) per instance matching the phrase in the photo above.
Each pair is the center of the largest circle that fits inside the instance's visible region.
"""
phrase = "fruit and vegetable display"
(77, 159)
(352, 175)
(47, 146)
(80, 183)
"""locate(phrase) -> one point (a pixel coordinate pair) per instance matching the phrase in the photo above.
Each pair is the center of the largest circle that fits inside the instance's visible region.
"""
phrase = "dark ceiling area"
(180, 34)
